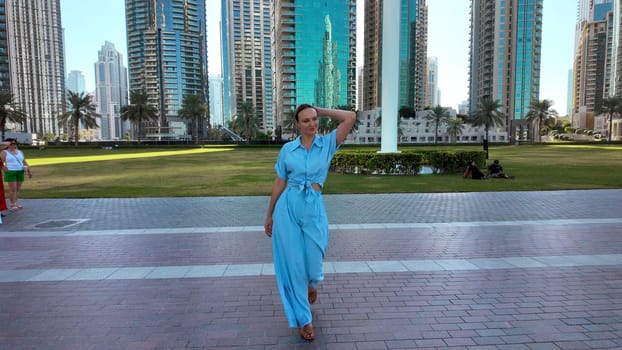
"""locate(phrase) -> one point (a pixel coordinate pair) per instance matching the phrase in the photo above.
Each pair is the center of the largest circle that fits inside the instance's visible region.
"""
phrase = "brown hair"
(300, 109)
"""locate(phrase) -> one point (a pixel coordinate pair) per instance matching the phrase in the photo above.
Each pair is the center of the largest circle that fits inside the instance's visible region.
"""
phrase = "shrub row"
(404, 163)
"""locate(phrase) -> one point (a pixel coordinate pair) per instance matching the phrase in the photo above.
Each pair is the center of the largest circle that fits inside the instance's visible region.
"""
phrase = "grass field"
(244, 170)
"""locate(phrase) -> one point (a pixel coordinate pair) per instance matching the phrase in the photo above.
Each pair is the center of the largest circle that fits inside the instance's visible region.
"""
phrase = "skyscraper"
(4, 49)
(247, 64)
(167, 58)
(589, 79)
(595, 59)
(314, 57)
(75, 81)
(216, 106)
(432, 98)
(506, 39)
(412, 56)
(111, 92)
(36, 62)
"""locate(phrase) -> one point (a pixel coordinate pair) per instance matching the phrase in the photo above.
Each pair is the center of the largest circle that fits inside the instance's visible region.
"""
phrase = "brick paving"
(513, 270)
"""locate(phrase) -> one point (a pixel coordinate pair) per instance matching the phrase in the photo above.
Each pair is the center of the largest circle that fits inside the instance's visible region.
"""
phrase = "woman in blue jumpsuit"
(296, 218)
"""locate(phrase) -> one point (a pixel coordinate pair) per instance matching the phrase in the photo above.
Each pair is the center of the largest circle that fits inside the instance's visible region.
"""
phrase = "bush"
(404, 163)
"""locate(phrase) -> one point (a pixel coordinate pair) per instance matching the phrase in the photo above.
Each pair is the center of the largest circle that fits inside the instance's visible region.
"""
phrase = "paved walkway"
(512, 270)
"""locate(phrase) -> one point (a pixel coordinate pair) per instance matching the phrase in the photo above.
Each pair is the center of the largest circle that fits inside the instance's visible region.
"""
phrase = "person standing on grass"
(296, 218)
(14, 167)
(3, 207)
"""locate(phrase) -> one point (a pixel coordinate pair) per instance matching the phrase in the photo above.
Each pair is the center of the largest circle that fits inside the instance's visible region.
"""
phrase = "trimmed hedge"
(404, 163)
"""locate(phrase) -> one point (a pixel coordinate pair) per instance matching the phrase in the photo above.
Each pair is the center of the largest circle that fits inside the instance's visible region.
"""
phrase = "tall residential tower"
(247, 64)
(412, 54)
(36, 62)
(506, 39)
(76, 82)
(111, 92)
(167, 58)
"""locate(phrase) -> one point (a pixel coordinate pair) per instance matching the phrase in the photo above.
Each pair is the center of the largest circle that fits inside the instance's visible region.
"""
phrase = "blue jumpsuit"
(300, 224)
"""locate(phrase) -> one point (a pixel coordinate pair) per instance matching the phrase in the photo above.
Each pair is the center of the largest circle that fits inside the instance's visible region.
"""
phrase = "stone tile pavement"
(512, 270)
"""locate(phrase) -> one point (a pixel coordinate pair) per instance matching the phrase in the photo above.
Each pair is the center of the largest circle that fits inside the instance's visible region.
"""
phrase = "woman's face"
(307, 121)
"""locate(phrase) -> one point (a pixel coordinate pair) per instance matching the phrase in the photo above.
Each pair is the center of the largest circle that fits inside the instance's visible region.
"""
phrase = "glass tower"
(36, 62)
(413, 54)
(167, 58)
(75, 81)
(314, 54)
(506, 39)
(111, 92)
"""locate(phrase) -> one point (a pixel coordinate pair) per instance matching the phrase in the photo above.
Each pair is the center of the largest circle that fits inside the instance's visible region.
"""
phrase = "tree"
(138, 112)
(437, 115)
(539, 113)
(612, 106)
(193, 109)
(81, 110)
(324, 125)
(406, 112)
(487, 115)
(9, 111)
(246, 122)
(454, 128)
(289, 122)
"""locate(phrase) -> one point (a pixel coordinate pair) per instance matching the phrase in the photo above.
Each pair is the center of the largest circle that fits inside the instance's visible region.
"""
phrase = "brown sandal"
(307, 333)
(312, 295)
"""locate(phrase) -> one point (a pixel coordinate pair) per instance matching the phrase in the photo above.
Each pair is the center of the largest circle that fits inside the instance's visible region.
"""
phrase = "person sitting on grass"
(495, 170)
(472, 171)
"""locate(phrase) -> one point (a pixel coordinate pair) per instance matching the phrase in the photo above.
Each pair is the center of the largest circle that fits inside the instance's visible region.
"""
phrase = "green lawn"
(236, 171)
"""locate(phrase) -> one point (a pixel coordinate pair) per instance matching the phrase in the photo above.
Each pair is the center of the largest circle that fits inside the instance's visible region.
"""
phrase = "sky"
(89, 24)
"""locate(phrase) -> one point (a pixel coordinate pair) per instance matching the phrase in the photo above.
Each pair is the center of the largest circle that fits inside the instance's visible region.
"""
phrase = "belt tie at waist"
(305, 187)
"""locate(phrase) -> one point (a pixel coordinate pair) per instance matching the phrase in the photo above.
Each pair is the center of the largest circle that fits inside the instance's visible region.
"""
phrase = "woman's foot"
(312, 295)
(307, 333)
(13, 207)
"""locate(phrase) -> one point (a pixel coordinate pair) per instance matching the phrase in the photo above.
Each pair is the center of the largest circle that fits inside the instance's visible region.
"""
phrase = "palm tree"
(437, 115)
(488, 115)
(246, 122)
(9, 111)
(612, 106)
(539, 113)
(289, 122)
(194, 109)
(81, 110)
(139, 111)
(454, 128)
(324, 125)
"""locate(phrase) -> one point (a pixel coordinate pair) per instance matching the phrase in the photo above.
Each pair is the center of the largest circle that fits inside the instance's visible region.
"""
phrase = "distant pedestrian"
(14, 166)
(296, 217)
(3, 207)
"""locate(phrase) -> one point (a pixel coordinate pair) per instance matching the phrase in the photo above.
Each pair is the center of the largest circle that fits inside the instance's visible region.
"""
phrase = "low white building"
(419, 130)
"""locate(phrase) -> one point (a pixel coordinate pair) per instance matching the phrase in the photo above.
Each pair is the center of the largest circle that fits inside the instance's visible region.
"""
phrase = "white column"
(390, 74)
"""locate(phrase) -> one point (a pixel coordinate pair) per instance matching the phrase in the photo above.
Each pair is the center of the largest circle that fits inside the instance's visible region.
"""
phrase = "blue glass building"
(314, 54)
(167, 58)
(412, 54)
(506, 39)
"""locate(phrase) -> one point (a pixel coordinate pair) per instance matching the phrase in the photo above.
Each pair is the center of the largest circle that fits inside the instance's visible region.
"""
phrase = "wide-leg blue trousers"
(299, 242)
